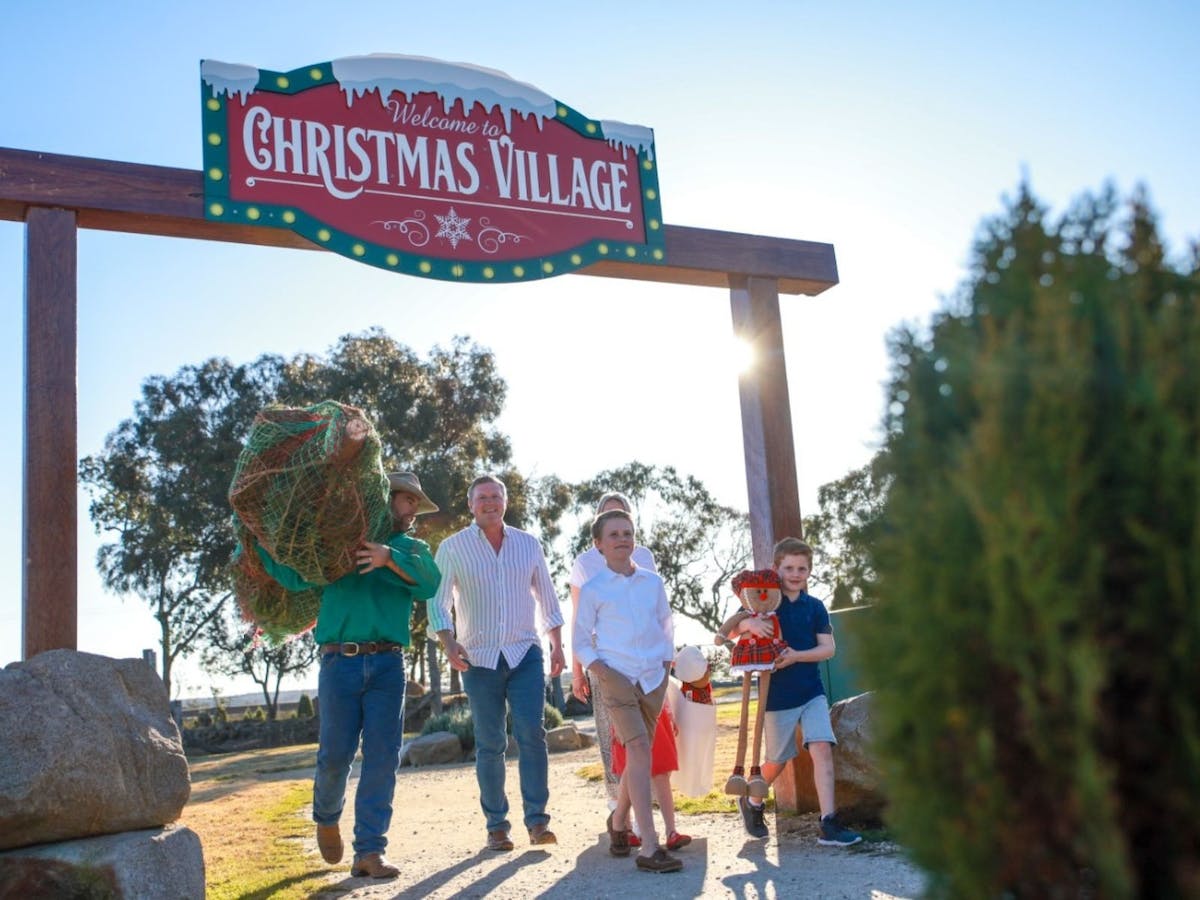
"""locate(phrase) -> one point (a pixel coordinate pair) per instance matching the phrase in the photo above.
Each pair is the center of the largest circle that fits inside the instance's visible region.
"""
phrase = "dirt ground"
(437, 838)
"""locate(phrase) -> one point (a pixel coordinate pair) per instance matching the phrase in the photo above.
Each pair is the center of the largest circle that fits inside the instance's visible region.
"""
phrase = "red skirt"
(663, 756)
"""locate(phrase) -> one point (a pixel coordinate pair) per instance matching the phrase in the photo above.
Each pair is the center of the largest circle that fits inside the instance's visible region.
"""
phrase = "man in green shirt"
(362, 629)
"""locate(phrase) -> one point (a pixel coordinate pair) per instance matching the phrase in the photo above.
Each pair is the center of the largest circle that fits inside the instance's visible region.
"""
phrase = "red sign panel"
(430, 168)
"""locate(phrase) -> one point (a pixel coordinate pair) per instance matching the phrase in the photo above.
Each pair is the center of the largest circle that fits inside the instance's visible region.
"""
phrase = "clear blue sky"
(886, 129)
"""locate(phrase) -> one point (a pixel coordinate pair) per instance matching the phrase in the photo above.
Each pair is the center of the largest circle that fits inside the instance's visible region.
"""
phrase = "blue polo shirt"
(801, 620)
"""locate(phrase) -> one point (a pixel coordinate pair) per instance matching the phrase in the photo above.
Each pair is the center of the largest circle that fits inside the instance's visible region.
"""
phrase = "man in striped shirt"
(494, 578)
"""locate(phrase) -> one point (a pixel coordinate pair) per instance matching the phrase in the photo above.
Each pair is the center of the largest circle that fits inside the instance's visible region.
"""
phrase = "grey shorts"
(779, 729)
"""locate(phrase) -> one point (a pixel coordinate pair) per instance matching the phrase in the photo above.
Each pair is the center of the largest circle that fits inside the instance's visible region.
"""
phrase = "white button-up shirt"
(625, 622)
(590, 563)
(494, 595)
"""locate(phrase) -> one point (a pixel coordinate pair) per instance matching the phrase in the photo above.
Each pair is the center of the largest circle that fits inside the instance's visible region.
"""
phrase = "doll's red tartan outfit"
(697, 694)
(755, 654)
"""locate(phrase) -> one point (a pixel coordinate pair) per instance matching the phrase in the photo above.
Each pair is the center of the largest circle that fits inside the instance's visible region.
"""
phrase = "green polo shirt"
(376, 606)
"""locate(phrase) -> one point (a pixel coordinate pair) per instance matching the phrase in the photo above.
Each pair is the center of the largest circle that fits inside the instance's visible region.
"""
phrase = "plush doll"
(760, 593)
(689, 695)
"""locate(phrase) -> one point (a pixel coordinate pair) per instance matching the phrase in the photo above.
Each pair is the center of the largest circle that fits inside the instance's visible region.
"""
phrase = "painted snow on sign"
(411, 75)
(621, 135)
(229, 78)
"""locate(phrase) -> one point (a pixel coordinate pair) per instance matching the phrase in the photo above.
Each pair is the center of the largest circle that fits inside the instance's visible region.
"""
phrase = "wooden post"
(771, 481)
(49, 543)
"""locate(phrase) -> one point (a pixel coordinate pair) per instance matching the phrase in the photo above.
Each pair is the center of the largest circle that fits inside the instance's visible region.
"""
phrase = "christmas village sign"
(429, 168)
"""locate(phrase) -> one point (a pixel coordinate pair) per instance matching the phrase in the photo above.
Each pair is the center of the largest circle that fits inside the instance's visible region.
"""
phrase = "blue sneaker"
(834, 835)
(753, 817)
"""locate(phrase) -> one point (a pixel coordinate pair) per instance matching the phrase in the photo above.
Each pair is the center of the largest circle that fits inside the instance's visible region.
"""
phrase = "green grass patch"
(274, 864)
(714, 802)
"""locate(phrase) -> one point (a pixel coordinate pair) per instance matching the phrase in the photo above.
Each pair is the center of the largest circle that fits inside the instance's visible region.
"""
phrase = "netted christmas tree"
(309, 488)
(1037, 640)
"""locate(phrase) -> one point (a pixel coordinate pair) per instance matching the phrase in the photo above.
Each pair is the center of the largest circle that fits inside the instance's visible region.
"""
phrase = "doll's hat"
(690, 664)
(755, 578)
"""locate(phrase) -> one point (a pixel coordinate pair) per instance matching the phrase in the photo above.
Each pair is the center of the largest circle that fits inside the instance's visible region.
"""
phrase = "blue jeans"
(360, 696)
(523, 688)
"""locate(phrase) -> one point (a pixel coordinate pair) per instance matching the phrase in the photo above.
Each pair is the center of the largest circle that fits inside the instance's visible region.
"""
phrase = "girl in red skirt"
(664, 759)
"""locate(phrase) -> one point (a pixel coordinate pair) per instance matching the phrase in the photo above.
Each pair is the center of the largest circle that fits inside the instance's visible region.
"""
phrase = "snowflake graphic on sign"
(453, 228)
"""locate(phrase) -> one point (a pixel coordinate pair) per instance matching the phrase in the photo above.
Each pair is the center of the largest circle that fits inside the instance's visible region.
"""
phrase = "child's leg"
(822, 760)
(771, 771)
(637, 781)
(620, 817)
(666, 802)
(781, 742)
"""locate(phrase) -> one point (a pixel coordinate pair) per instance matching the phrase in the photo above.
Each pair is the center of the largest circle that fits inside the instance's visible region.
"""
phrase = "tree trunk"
(435, 677)
(273, 710)
(165, 641)
(266, 692)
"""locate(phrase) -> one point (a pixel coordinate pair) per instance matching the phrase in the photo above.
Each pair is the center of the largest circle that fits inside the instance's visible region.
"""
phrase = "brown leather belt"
(354, 648)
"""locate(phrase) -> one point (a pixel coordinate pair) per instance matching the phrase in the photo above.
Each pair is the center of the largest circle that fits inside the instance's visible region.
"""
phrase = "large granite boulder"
(436, 748)
(567, 737)
(155, 863)
(89, 747)
(857, 787)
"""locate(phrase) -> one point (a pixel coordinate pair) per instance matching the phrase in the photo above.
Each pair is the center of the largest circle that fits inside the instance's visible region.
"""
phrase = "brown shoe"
(329, 842)
(618, 841)
(499, 840)
(373, 865)
(541, 834)
(659, 861)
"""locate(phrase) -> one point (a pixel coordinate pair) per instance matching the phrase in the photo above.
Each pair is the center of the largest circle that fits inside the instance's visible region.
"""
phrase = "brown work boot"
(329, 842)
(373, 865)
(499, 840)
(541, 834)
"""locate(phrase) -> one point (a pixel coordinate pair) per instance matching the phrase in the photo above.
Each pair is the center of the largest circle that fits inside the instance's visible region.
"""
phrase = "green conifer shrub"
(304, 707)
(457, 721)
(1036, 640)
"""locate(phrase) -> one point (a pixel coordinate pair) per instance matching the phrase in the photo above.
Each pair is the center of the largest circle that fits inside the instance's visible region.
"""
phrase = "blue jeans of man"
(523, 688)
(360, 696)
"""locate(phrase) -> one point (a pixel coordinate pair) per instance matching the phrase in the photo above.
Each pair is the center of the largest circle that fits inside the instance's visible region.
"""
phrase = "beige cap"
(410, 484)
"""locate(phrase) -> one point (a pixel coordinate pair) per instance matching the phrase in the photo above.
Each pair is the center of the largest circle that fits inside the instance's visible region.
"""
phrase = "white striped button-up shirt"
(494, 595)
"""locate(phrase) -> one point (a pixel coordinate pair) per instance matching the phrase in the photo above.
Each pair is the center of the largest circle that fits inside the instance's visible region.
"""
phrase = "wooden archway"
(56, 195)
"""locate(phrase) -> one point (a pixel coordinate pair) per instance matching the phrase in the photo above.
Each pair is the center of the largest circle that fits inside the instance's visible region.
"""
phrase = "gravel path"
(437, 836)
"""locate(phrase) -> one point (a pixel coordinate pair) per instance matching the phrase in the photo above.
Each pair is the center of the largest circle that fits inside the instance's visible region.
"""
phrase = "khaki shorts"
(632, 712)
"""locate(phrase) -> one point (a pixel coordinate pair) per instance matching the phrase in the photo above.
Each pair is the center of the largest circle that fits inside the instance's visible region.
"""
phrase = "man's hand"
(372, 556)
(558, 661)
(580, 689)
(456, 654)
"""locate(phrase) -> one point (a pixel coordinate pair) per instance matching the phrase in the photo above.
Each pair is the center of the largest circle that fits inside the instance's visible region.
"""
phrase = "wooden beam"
(771, 480)
(141, 199)
(50, 547)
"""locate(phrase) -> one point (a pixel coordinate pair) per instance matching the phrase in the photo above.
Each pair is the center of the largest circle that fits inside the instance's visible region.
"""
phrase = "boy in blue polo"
(796, 695)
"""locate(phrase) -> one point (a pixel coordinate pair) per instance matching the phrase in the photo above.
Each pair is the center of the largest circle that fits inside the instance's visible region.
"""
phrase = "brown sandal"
(618, 841)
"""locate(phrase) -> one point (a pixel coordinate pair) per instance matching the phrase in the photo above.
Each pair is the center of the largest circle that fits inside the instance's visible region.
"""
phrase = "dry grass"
(246, 808)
